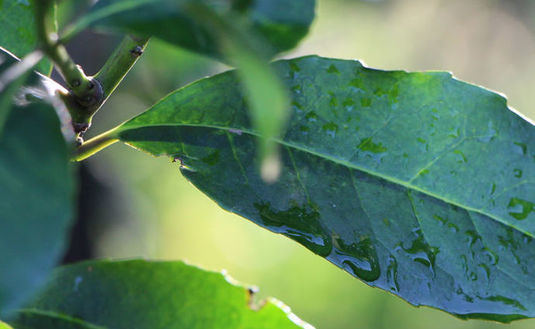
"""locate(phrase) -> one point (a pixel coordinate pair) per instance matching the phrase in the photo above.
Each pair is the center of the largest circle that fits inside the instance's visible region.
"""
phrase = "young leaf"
(36, 196)
(149, 295)
(416, 183)
(18, 30)
(281, 23)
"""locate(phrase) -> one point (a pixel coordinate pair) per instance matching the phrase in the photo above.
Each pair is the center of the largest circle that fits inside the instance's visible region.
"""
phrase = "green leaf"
(18, 30)
(281, 23)
(243, 33)
(4, 325)
(149, 295)
(264, 92)
(268, 103)
(416, 183)
(36, 195)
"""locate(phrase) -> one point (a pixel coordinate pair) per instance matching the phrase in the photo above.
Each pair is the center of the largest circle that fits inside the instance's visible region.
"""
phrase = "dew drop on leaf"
(520, 209)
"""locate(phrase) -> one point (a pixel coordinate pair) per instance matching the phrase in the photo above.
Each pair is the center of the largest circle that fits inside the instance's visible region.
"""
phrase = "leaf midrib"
(345, 163)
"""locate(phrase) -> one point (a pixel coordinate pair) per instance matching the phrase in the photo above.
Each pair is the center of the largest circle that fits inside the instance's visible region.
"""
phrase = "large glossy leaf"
(18, 34)
(36, 195)
(416, 183)
(149, 295)
(281, 23)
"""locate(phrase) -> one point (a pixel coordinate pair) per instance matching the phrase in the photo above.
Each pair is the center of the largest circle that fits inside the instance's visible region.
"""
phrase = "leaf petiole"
(95, 145)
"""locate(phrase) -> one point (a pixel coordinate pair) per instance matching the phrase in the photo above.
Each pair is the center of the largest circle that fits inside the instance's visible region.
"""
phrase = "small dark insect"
(137, 51)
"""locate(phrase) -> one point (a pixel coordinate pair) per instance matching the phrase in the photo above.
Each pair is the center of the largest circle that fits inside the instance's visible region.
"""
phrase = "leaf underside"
(142, 295)
(36, 195)
(281, 24)
(241, 33)
(416, 183)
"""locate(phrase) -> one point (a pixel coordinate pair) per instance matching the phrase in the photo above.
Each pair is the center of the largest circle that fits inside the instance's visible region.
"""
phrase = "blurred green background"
(148, 210)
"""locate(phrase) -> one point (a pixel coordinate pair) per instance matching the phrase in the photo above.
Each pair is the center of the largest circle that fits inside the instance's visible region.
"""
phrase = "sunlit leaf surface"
(150, 295)
(416, 183)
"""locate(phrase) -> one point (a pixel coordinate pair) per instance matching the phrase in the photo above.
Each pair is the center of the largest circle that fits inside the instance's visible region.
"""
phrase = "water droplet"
(392, 273)
(521, 148)
(453, 228)
(434, 114)
(298, 107)
(299, 222)
(294, 67)
(334, 101)
(393, 94)
(311, 116)
(493, 189)
(472, 237)
(367, 145)
(506, 301)
(423, 172)
(331, 128)
(491, 133)
(366, 102)
(358, 258)
(293, 72)
(379, 91)
(419, 251)
(442, 221)
(454, 133)
(349, 104)
(333, 69)
(520, 209)
(469, 274)
(462, 157)
(517, 173)
(486, 270)
(356, 83)
(490, 256)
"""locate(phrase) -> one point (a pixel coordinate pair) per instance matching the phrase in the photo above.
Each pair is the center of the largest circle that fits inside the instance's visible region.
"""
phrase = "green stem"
(73, 74)
(119, 63)
(95, 145)
(85, 95)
